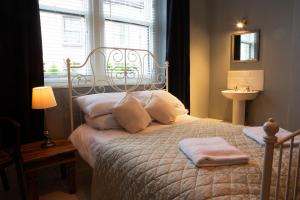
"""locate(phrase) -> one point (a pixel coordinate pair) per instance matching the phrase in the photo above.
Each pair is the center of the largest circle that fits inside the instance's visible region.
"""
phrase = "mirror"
(245, 47)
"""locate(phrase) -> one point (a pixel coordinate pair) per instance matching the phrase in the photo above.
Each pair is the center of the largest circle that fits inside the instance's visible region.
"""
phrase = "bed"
(149, 165)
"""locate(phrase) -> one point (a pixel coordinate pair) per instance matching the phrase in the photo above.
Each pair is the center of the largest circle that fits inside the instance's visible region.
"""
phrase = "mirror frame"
(232, 47)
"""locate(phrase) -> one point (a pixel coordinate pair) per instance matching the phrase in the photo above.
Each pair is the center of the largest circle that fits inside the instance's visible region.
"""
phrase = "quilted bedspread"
(150, 166)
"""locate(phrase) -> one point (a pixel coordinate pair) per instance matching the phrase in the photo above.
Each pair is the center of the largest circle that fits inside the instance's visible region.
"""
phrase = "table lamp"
(43, 98)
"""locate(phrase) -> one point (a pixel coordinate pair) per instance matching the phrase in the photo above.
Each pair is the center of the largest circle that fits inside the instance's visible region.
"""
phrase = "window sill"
(62, 82)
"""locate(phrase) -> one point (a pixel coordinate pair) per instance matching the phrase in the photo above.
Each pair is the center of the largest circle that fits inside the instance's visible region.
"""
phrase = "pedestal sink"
(239, 98)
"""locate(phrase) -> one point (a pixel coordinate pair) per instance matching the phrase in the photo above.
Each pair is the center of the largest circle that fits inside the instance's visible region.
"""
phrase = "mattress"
(86, 139)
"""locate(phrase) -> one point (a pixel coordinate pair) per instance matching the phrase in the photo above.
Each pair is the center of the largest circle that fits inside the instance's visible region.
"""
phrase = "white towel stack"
(257, 133)
(213, 151)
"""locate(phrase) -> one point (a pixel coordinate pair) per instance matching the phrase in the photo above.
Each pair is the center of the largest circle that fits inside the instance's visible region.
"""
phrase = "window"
(70, 29)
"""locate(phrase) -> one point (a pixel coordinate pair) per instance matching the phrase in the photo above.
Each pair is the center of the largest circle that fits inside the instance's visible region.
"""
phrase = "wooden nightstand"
(35, 158)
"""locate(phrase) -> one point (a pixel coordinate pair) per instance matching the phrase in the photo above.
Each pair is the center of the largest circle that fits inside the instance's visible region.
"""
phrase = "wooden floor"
(51, 187)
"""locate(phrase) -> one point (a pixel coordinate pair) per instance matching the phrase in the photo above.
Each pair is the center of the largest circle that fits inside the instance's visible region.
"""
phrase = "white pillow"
(161, 110)
(102, 104)
(131, 115)
(103, 122)
(99, 104)
(171, 99)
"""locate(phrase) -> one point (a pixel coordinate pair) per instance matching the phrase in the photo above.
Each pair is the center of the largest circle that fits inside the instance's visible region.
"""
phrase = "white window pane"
(139, 4)
(75, 5)
(72, 23)
(248, 43)
(126, 35)
(72, 38)
(245, 54)
(54, 49)
(73, 31)
(140, 11)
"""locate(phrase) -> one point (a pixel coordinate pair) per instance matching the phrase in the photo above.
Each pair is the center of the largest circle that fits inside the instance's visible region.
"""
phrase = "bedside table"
(35, 158)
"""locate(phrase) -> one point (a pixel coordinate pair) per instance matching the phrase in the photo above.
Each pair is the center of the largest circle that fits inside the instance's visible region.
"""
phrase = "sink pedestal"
(239, 98)
(238, 112)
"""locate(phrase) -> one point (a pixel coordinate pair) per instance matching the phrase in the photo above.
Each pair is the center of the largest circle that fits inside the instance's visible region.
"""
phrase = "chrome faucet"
(248, 88)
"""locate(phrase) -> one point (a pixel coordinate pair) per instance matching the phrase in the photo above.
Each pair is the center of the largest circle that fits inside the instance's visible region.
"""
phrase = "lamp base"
(48, 142)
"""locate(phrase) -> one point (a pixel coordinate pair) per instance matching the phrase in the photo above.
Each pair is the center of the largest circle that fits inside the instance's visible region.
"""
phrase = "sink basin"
(239, 98)
(240, 95)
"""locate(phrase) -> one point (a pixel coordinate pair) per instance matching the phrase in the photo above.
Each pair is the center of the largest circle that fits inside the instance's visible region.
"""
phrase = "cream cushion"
(103, 122)
(131, 115)
(161, 110)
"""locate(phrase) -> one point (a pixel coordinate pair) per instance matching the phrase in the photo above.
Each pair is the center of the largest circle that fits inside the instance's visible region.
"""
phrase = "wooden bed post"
(271, 128)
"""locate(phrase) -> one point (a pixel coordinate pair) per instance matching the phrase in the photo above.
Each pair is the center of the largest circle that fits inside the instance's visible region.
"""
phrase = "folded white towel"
(257, 133)
(213, 151)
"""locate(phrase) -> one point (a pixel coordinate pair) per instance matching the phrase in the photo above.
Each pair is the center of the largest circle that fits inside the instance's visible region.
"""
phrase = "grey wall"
(199, 58)
(58, 118)
(275, 20)
(294, 108)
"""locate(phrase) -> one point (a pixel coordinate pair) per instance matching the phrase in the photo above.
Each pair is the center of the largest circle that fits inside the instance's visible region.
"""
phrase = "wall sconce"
(241, 24)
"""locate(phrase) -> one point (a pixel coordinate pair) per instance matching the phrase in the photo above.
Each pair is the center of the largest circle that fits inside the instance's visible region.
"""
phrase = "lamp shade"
(43, 97)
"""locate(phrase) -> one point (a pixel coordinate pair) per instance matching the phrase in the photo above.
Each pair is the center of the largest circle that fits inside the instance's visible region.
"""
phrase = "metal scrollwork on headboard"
(121, 69)
(117, 69)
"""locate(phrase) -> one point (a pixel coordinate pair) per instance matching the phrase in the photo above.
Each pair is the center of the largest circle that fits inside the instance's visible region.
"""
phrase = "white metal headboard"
(115, 69)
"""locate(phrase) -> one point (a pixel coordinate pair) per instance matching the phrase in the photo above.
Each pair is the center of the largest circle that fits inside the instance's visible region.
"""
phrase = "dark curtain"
(21, 65)
(178, 49)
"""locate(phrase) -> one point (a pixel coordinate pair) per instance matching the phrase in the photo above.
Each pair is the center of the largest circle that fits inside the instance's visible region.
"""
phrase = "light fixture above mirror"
(241, 24)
